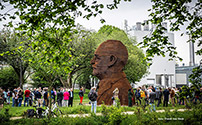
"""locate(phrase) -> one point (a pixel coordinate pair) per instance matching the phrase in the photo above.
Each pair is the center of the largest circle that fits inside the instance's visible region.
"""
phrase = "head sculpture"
(110, 57)
(108, 63)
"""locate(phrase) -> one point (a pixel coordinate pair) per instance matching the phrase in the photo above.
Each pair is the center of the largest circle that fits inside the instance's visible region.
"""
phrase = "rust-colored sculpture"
(108, 62)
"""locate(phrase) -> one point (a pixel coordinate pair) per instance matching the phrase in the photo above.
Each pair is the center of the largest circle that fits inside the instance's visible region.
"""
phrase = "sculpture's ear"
(113, 60)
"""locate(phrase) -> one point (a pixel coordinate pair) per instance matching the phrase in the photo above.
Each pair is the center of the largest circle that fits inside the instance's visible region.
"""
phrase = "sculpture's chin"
(97, 74)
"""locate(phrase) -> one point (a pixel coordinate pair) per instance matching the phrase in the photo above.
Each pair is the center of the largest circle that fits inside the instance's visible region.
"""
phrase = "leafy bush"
(4, 116)
(8, 78)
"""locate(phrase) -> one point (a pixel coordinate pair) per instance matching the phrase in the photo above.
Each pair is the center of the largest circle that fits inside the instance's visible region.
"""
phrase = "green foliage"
(40, 81)
(79, 109)
(12, 53)
(4, 115)
(136, 66)
(113, 114)
(154, 118)
(81, 48)
(196, 77)
(8, 78)
(176, 13)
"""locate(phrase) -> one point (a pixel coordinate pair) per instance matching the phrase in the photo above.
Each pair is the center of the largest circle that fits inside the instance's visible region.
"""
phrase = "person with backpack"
(45, 96)
(93, 98)
(138, 96)
(38, 96)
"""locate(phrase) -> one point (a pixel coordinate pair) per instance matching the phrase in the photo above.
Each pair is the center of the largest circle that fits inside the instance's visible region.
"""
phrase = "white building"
(162, 71)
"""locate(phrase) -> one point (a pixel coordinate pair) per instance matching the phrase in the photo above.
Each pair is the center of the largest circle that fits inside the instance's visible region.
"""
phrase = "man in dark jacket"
(59, 98)
(166, 97)
(71, 93)
(158, 96)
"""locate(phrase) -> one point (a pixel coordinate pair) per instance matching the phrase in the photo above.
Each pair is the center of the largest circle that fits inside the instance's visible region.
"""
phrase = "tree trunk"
(69, 80)
(76, 79)
(50, 99)
(62, 81)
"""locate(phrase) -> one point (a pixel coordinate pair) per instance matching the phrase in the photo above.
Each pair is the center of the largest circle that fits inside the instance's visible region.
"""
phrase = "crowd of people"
(38, 96)
(64, 97)
(151, 94)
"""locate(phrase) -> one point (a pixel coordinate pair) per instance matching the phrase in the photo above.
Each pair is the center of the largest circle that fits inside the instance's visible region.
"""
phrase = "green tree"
(8, 54)
(136, 66)
(81, 48)
(40, 81)
(41, 20)
(8, 78)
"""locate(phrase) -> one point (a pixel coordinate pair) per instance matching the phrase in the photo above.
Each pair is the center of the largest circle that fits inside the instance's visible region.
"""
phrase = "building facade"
(162, 71)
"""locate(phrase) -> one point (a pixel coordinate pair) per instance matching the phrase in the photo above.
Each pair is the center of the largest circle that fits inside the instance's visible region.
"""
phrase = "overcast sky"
(135, 11)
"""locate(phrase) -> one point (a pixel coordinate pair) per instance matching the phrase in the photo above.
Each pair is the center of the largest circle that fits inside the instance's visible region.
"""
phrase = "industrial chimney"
(191, 54)
(146, 26)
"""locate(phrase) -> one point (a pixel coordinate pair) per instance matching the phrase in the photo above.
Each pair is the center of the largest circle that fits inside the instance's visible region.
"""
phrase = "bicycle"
(55, 111)
(55, 107)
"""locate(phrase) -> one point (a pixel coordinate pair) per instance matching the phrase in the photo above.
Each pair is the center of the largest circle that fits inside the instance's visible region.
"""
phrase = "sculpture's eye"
(96, 57)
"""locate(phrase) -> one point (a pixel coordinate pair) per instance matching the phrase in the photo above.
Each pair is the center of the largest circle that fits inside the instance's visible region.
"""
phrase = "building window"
(181, 79)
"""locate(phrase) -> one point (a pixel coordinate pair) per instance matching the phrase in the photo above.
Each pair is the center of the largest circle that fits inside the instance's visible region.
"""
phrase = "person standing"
(115, 97)
(9, 93)
(1, 98)
(38, 97)
(35, 100)
(152, 97)
(159, 94)
(66, 97)
(166, 97)
(59, 97)
(16, 99)
(13, 98)
(45, 96)
(137, 95)
(93, 98)
(172, 96)
(27, 94)
(71, 96)
(130, 96)
(53, 95)
(5, 95)
(81, 94)
(20, 97)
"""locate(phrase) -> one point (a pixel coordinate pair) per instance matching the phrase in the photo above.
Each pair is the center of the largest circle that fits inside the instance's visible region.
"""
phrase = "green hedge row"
(114, 116)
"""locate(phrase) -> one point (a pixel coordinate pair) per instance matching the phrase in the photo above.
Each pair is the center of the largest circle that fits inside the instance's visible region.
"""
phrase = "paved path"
(99, 114)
